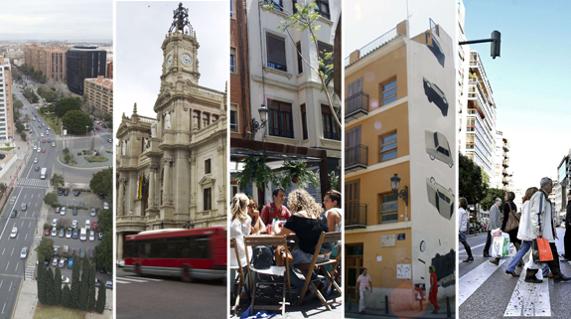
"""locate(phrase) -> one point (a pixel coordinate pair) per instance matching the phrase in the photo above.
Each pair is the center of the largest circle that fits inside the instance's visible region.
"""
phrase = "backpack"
(262, 257)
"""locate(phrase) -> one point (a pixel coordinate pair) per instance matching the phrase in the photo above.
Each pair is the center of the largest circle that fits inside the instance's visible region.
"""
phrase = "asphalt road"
(158, 297)
(486, 291)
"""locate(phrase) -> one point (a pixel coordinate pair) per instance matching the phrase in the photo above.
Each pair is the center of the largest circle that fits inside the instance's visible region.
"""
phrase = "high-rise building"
(240, 117)
(84, 62)
(172, 169)
(501, 177)
(98, 94)
(399, 165)
(49, 60)
(6, 102)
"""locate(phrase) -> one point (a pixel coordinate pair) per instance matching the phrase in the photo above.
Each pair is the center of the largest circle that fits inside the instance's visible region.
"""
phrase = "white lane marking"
(11, 283)
(471, 281)
(121, 282)
(3, 307)
(26, 237)
(3, 230)
(529, 300)
(1, 283)
(133, 279)
(12, 254)
(3, 251)
(16, 269)
(462, 251)
(7, 265)
(146, 279)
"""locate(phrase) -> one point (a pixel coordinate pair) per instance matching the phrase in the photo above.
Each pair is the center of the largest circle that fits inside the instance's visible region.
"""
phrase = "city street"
(486, 291)
(152, 297)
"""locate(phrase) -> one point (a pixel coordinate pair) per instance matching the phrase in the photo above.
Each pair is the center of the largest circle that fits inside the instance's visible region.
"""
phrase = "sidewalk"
(351, 311)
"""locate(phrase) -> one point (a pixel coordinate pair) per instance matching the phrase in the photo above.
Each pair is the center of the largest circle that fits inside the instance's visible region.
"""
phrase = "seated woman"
(240, 227)
(258, 226)
(305, 223)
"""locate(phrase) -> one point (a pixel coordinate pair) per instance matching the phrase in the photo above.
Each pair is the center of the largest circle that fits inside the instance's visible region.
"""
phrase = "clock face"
(169, 59)
(422, 246)
(186, 59)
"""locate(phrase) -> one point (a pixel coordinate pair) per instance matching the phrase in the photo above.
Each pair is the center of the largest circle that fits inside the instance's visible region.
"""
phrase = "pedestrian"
(364, 284)
(541, 207)
(510, 221)
(463, 228)
(567, 238)
(433, 294)
(495, 222)
(525, 233)
(276, 209)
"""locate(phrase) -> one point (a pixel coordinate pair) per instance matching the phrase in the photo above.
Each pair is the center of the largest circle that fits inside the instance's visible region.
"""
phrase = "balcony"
(506, 163)
(356, 215)
(356, 105)
(356, 157)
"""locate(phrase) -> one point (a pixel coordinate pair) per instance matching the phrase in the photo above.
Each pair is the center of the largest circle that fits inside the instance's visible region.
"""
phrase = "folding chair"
(256, 276)
(319, 261)
(240, 282)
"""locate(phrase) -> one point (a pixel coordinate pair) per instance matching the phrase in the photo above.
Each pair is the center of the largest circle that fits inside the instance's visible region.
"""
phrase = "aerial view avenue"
(55, 165)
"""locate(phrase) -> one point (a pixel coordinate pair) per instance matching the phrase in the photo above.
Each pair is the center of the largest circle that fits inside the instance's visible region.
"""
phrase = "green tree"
(102, 183)
(75, 283)
(76, 121)
(50, 297)
(41, 281)
(51, 199)
(472, 185)
(57, 180)
(56, 289)
(49, 94)
(66, 104)
(84, 284)
(101, 296)
(104, 253)
(45, 250)
(91, 289)
(66, 297)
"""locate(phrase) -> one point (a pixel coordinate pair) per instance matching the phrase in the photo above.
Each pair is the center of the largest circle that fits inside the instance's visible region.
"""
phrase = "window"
(195, 119)
(233, 119)
(294, 8)
(323, 8)
(352, 190)
(207, 168)
(388, 92)
(232, 13)
(330, 128)
(278, 4)
(388, 208)
(388, 146)
(205, 119)
(304, 121)
(207, 198)
(324, 48)
(276, 52)
(280, 119)
(299, 59)
(233, 60)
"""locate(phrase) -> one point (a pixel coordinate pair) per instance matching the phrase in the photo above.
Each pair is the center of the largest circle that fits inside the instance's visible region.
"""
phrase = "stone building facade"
(171, 170)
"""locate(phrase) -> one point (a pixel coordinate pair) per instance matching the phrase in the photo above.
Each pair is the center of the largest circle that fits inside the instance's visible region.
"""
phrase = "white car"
(34, 147)
(105, 205)
(83, 234)
(24, 252)
(65, 280)
(14, 232)
(35, 160)
(54, 222)
(62, 211)
(91, 236)
(87, 223)
(41, 134)
(54, 232)
(74, 223)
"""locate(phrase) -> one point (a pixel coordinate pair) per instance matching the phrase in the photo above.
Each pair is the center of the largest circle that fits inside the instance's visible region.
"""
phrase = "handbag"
(513, 221)
(262, 257)
(541, 250)
(282, 255)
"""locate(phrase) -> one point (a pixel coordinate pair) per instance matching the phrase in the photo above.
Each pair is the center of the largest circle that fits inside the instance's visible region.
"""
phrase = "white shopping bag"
(500, 245)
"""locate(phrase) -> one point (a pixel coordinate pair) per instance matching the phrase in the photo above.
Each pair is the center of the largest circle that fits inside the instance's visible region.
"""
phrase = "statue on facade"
(154, 130)
(180, 19)
(123, 148)
(167, 120)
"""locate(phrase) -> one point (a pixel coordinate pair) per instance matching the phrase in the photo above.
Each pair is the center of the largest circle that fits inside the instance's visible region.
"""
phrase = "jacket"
(463, 220)
(568, 216)
(526, 231)
(542, 220)
(495, 217)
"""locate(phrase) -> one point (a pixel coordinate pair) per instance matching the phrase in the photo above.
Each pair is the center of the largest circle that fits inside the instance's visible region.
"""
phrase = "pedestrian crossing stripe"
(471, 281)
(31, 182)
(529, 300)
(29, 272)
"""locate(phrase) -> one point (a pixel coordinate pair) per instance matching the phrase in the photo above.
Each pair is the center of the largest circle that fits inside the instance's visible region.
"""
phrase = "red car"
(46, 231)
(94, 225)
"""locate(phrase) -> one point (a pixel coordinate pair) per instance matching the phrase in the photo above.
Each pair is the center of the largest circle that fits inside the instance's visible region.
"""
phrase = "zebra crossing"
(135, 279)
(32, 182)
(29, 272)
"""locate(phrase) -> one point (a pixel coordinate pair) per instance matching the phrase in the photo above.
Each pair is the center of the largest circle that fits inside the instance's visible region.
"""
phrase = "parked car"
(65, 280)
(93, 212)
(83, 234)
(35, 160)
(62, 211)
(76, 192)
(14, 213)
(14, 232)
(105, 205)
(60, 191)
(109, 284)
(91, 236)
(74, 211)
(54, 232)
(54, 261)
(54, 222)
(70, 262)
(24, 252)
(87, 223)
(58, 209)
(68, 233)
(75, 234)
(100, 235)
(66, 192)
(94, 225)
(46, 231)
(61, 233)
(23, 207)
(74, 223)
(62, 262)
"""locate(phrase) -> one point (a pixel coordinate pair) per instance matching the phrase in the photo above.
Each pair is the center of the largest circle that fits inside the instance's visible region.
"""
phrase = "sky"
(61, 20)
(530, 80)
(140, 31)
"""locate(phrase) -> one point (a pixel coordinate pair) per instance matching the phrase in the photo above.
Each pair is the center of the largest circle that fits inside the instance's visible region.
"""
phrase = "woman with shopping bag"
(525, 232)
(510, 225)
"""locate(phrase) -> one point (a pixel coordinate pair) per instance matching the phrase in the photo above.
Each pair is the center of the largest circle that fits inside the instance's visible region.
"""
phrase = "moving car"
(438, 148)
(24, 252)
(35, 160)
(14, 213)
(440, 197)
(14, 232)
(105, 205)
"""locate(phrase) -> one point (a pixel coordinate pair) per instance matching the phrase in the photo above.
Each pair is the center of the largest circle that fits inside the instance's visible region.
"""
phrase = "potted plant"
(256, 171)
(298, 173)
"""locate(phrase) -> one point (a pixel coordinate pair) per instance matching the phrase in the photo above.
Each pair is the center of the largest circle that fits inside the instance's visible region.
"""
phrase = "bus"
(43, 173)
(186, 253)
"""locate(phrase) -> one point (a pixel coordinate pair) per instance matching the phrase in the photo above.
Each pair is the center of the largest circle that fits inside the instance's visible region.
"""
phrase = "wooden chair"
(319, 261)
(255, 275)
(240, 282)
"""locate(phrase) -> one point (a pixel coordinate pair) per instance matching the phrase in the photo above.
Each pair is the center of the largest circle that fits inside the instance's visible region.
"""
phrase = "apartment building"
(98, 93)
(240, 117)
(6, 103)
(84, 62)
(49, 60)
(399, 165)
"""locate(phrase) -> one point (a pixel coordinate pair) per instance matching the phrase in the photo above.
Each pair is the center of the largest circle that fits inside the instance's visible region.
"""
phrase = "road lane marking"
(4, 308)
(471, 281)
(26, 238)
(3, 230)
(3, 251)
(133, 279)
(1, 283)
(7, 265)
(16, 269)
(12, 251)
(147, 279)
(11, 283)
(462, 251)
(529, 300)
(121, 282)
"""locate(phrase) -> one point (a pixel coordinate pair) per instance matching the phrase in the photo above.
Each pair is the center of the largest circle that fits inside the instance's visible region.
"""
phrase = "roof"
(101, 81)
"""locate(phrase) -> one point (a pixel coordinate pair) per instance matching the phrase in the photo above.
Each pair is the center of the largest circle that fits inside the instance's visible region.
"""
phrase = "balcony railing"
(356, 215)
(356, 105)
(356, 157)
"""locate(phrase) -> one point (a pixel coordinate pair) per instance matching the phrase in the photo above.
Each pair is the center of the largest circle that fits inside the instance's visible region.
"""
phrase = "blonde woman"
(258, 226)
(239, 227)
(305, 223)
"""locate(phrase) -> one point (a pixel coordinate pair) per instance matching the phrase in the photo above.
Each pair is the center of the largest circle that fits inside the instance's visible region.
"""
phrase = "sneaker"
(561, 278)
(495, 261)
(533, 280)
(513, 273)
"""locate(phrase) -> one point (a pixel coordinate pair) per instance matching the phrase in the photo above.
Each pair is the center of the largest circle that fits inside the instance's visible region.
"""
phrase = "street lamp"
(256, 126)
(402, 193)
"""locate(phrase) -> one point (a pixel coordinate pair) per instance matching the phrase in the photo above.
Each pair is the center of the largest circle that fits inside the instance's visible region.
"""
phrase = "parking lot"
(68, 240)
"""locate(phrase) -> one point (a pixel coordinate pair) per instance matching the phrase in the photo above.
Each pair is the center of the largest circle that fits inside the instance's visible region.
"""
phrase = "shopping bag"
(496, 232)
(542, 250)
(501, 245)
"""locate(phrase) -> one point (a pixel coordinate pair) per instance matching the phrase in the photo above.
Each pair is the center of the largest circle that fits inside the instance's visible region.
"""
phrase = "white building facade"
(6, 103)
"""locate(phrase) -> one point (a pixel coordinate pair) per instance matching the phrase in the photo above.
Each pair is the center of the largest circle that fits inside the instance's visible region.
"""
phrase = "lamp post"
(400, 193)
(256, 126)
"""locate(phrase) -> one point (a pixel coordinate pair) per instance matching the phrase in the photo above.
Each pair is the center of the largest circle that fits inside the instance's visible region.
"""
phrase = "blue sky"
(531, 79)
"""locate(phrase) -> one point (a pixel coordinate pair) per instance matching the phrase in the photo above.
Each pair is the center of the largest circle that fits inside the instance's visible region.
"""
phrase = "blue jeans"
(523, 249)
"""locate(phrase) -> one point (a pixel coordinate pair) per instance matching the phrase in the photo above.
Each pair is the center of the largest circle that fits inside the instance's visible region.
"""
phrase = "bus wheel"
(138, 269)
(185, 274)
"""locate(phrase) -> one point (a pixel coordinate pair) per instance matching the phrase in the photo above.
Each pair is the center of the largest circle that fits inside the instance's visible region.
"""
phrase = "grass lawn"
(52, 121)
(92, 159)
(6, 149)
(50, 312)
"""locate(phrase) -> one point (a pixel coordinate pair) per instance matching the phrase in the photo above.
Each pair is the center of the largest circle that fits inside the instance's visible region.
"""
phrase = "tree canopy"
(76, 121)
(102, 183)
(66, 104)
(472, 184)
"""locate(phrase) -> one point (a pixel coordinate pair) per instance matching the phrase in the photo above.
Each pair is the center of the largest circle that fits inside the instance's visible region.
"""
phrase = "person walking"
(433, 294)
(495, 222)
(567, 238)
(544, 226)
(510, 221)
(525, 233)
(463, 228)
(364, 283)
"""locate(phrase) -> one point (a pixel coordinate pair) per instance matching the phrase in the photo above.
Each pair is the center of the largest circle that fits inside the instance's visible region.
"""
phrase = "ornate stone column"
(182, 182)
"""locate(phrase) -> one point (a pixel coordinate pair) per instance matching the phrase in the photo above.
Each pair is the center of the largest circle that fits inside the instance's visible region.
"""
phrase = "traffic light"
(496, 44)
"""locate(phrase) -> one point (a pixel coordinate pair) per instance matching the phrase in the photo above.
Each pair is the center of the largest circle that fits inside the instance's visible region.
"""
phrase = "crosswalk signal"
(496, 44)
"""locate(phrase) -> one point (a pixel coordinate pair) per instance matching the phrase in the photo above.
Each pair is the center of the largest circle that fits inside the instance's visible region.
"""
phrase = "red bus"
(185, 253)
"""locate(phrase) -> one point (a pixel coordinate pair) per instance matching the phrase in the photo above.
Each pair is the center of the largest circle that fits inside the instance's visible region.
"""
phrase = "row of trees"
(20, 128)
(49, 94)
(474, 184)
(102, 184)
(36, 75)
(81, 295)
(30, 95)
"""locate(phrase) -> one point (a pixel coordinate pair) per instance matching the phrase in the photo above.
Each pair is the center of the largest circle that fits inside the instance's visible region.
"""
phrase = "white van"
(83, 234)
